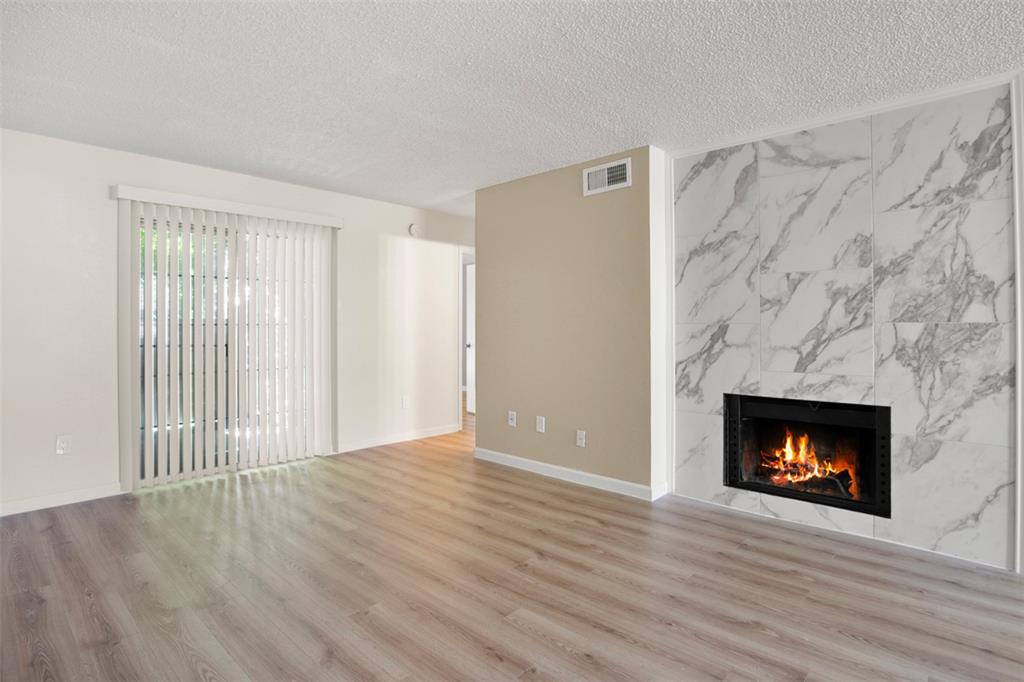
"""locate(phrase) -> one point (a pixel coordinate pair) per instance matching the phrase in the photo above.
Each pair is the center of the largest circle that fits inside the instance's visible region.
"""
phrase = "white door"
(471, 338)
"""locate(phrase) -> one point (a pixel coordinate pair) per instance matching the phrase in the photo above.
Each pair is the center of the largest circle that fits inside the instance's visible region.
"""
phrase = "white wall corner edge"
(27, 504)
(606, 483)
(662, 342)
(1017, 122)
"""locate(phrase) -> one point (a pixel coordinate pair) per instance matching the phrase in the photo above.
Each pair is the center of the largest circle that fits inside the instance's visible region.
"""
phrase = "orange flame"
(795, 463)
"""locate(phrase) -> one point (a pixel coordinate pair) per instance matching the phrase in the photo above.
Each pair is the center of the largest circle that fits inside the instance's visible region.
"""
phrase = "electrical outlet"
(540, 424)
(63, 444)
(512, 418)
(405, 402)
(581, 438)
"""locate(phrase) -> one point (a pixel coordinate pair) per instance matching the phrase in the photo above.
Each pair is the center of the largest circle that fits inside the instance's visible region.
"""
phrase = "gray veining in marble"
(716, 191)
(947, 381)
(817, 515)
(955, 498)
(817, 322)
(951, 263)
(716, 277)
(817, 220)
(712, 360)
(870, 262)
(816, 149)
(829, 387)
(699, 471)
(955, 150)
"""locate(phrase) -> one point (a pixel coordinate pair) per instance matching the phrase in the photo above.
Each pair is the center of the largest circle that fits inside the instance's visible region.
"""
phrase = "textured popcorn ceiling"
(422, 104)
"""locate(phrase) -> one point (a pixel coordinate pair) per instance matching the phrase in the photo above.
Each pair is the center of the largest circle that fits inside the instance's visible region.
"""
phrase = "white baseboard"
(398, 438)
(28, 504)
(613, 485)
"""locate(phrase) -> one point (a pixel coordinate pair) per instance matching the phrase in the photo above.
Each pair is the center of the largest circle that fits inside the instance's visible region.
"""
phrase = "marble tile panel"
(817, 515)
(947, 381)
(951, 263)
(946, 152)
(817, 322)
(700, 465)
(815, 149)
(954, 498)
(817, 220)
(716, 191)
(829, 387)
(712, 360)
(716, 277)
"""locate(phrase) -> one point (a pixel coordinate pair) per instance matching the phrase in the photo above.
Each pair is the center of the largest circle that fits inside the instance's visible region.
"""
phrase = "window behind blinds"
(233, 341)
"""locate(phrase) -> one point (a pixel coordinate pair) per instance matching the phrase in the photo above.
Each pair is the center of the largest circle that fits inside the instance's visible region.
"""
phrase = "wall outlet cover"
(581, 438)
(512, 418)
(541, 424)
(63, 444)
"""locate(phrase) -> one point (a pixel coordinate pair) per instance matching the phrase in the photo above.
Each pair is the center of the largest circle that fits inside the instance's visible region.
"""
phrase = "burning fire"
(798, 462)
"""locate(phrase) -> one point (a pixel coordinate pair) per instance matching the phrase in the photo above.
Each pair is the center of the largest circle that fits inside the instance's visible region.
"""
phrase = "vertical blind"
(233, 341)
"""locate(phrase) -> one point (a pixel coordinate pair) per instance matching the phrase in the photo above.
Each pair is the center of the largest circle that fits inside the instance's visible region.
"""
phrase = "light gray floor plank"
(414, 561)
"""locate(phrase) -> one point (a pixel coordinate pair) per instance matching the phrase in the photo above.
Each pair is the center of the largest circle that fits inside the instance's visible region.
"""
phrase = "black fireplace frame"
(873, 417)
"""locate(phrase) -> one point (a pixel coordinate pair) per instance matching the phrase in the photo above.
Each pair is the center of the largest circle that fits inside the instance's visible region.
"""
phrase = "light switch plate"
(581, 438)
(512, 418)
(540, 424)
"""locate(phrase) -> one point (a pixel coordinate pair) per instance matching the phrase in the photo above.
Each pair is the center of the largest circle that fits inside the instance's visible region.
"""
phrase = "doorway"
(467, 367)
(470, 353)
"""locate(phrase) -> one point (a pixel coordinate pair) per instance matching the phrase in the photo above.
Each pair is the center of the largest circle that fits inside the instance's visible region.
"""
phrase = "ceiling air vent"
(607, 176)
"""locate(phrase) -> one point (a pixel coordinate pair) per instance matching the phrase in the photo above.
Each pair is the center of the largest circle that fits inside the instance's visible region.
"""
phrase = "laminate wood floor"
(414, 561)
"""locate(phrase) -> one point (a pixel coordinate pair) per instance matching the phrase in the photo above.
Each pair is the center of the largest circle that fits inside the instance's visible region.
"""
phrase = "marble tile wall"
(868, 261)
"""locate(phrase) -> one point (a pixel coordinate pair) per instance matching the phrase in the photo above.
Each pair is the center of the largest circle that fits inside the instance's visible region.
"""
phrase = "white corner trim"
(662, 346)
(1017, 121)
(576, 476)
(397, 438)
(27, 504)
(155, 196)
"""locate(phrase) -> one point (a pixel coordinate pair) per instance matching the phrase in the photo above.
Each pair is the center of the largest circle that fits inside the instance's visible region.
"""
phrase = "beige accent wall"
(563, 320)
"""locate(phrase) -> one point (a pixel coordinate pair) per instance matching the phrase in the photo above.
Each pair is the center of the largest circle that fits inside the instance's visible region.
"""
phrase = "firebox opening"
(802, 456)
(835, 454)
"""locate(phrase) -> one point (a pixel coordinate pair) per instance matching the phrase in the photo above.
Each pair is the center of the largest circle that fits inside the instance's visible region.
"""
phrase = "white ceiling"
(423, 103)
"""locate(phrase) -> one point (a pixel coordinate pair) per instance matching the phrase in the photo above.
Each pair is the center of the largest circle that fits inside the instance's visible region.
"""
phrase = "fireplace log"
(836, 485)
(845, 480)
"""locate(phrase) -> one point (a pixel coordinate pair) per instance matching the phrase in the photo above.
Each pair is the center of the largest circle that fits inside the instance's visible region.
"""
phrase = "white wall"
(398, 311)
(398, 337)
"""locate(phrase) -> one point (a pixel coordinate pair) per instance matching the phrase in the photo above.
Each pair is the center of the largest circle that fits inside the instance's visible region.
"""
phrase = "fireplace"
(836, 454)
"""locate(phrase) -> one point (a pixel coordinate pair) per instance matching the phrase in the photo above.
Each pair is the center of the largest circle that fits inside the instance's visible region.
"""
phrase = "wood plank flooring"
(414, 561)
